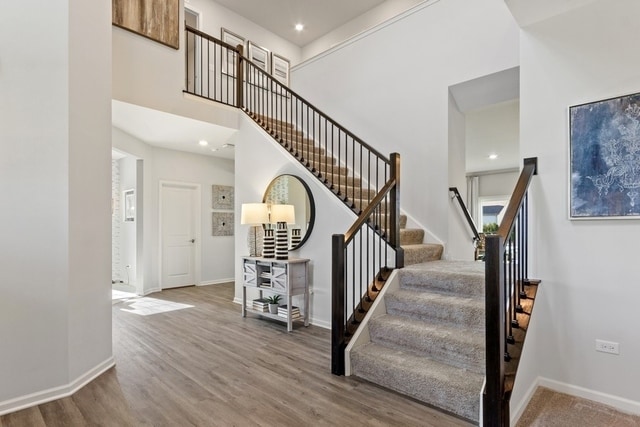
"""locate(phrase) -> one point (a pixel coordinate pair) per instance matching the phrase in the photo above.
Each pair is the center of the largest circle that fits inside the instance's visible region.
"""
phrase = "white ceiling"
(170, 131)
(318, 16)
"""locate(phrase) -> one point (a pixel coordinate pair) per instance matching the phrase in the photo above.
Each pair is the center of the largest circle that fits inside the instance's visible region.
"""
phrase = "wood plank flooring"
(207, 366)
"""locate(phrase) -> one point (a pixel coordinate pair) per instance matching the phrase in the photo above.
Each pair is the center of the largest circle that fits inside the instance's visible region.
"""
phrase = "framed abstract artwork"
(604, 153)
(155, 19)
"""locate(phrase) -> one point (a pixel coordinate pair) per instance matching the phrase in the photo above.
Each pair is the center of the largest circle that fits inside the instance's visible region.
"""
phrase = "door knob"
(193, 240)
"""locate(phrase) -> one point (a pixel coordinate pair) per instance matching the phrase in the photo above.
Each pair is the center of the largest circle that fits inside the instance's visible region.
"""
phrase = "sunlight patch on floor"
(146, 306)
(116, 295)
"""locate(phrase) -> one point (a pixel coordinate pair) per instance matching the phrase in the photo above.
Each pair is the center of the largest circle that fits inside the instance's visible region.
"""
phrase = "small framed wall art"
(222, 223)
(280, 68)
(129, 205)
(222, 197)
(259, 56)
(229, 59)
(604, 156)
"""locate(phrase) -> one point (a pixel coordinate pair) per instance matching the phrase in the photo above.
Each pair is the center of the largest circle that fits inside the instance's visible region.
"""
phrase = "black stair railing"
(361, 260)
(361, 177)
(210, 67)
(506, 275)
(477, 239)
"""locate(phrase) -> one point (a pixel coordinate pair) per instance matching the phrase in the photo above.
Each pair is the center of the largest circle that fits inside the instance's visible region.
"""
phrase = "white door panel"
(178, 236)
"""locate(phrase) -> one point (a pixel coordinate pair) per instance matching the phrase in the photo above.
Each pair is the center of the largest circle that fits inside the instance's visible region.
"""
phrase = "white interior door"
(178, 232)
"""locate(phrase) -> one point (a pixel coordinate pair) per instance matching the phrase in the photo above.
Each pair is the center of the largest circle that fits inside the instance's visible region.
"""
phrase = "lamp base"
(255, 239)
(282, 241)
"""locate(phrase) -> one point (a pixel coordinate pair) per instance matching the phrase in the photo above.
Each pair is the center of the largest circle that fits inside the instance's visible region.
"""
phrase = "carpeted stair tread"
(411, 236)
(458, 277)
(437, 307)
(425, 252)
(422, 378)
(461, 348)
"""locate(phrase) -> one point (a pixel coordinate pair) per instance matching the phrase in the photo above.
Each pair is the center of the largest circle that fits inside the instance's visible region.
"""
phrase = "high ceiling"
(318, 16)
(170, 131)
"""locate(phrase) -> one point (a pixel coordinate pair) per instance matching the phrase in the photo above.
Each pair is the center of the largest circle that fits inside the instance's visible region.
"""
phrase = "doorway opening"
(126, 222)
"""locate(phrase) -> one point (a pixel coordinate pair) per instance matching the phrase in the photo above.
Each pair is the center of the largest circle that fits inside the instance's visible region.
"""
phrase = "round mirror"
(291, 190)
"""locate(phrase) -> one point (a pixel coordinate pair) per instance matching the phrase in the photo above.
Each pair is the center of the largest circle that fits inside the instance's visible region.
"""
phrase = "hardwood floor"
(207, 366)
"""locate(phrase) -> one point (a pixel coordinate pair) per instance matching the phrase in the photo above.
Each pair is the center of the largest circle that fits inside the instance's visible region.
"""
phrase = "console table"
(285, 277)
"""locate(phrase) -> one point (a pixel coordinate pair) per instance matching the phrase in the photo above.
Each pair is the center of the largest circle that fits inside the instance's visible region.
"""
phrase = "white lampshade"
(254, 213)
(283, 213)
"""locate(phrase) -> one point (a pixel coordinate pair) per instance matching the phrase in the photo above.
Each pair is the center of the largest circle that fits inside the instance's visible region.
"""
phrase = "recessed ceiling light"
(299, 27)
(493, 156)
(214, 149)
(203, 143)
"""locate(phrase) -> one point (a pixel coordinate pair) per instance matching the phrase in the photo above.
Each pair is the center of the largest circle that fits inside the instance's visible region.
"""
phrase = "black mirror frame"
(312, 206)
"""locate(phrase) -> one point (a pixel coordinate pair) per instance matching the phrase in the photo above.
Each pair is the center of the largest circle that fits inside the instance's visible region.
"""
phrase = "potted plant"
(273, 301)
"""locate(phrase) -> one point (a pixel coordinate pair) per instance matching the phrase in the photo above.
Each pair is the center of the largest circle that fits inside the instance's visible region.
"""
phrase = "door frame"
(197, 228)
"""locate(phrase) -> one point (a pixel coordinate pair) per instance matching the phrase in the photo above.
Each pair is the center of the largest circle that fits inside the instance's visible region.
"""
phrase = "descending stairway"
(430, 342)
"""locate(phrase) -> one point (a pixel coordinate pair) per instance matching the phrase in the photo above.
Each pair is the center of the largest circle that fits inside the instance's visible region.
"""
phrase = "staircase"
(427, 336)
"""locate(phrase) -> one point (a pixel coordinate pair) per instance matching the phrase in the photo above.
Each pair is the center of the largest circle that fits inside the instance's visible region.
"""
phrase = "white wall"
(589, 269)
(160, 164)
(367, 20)
(390, 87)
(460, 235)
(55, 180)
(259, 159)
(493, 129)
(214, 16)
(497, 184)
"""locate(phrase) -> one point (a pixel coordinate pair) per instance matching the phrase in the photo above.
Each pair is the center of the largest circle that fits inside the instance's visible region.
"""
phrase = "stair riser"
(452, 348)
(411, 237)
(434, 390)
(471, 316)
(422, 253)
(463, 282)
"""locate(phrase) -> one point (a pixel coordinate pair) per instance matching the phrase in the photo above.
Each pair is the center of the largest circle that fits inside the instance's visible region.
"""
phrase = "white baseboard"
(151, 291)
(55, 393)
(516, 413)
(617, 402)
(620, 403)
(216, 282)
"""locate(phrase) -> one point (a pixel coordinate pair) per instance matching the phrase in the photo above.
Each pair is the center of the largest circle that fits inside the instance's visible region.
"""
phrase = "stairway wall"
(417, 58)
(589, 268)
(259, 159)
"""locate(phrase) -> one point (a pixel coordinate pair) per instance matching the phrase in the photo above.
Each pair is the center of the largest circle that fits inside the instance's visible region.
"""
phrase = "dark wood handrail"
(366, 213)
(465, 211)
(529, 169)
(211, 38)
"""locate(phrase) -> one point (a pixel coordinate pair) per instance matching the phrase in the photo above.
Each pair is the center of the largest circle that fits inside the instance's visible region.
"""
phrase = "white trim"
(38, 398)
(620, 403)
(517, 412)
(366, 33)
(215, 282)
(197, 231)
(151, 291)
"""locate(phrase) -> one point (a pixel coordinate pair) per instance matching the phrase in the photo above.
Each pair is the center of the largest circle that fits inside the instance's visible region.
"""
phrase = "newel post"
(239, 77)
(495, 407)
(338, 315)
(394, 199)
